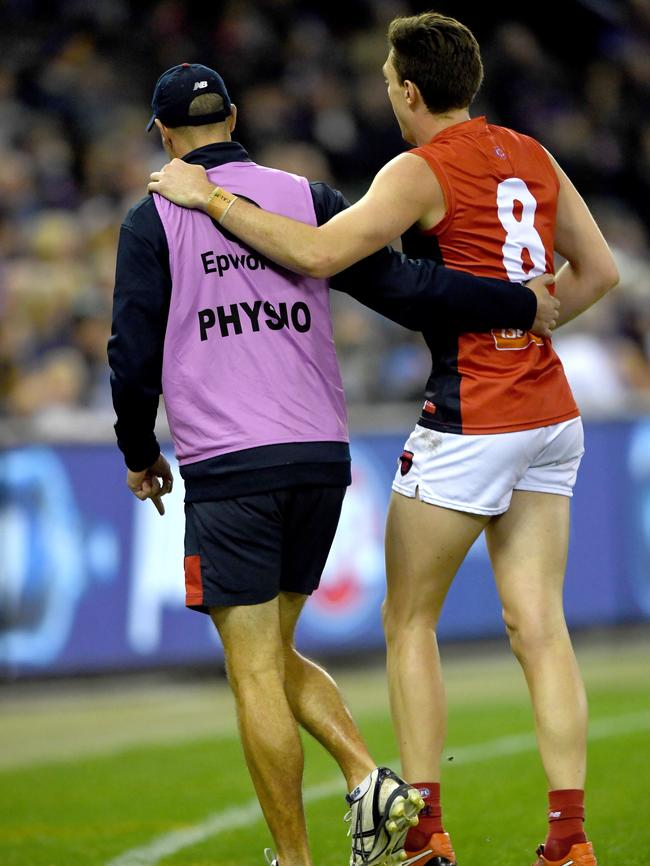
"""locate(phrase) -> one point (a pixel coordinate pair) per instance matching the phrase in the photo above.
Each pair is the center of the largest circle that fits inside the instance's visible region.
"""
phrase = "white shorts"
(478, 473)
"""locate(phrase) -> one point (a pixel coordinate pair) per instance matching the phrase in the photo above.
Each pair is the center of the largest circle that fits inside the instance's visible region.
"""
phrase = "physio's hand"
(548, 306)
(145, 484)
(183, 184)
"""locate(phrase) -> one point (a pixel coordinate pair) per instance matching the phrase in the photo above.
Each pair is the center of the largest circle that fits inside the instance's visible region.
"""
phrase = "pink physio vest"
(249, 356)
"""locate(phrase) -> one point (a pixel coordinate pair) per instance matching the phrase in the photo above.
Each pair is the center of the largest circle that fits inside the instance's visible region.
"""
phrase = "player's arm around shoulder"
(403, 192)
(590, 270)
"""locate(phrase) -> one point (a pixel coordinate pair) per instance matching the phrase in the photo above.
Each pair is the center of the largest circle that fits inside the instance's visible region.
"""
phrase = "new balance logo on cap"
(199, 85)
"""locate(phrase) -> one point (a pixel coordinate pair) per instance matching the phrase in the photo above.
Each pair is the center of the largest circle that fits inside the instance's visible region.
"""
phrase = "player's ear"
(411, 93)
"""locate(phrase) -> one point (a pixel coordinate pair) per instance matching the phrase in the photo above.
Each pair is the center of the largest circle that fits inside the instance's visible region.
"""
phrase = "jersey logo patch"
(406, 461)
(510, 338)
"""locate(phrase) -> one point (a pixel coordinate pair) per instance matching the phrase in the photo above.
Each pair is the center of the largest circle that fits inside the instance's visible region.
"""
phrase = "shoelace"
(270, 857)
(357, 849)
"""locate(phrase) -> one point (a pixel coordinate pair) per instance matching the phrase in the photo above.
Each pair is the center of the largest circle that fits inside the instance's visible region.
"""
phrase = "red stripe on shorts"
(193, 582)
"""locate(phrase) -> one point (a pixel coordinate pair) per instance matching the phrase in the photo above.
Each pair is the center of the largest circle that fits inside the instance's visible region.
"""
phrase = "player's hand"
(145, 484)
(548, 306)
(182, 183)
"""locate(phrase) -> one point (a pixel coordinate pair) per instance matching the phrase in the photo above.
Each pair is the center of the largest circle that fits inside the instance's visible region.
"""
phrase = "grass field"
(142, 772)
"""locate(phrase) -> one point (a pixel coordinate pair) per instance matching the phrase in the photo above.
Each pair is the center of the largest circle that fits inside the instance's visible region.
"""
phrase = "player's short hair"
(440, 55)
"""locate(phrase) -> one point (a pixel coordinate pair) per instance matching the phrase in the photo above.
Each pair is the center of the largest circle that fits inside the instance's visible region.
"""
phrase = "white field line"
(243, 815)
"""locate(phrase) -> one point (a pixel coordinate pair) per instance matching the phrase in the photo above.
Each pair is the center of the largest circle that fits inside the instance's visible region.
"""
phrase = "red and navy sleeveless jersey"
(501, 193)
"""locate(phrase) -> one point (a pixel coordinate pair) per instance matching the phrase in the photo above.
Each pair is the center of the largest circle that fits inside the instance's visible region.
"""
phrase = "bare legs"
(528, 547)
(316, 702)
(425, 545)
(275, 688)
(268, 730)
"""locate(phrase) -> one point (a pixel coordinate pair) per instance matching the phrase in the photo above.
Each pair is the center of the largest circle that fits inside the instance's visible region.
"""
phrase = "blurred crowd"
(75, 86)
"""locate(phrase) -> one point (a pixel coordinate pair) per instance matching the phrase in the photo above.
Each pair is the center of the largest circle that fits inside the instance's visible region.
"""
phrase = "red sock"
(430, 816)
(566, 815)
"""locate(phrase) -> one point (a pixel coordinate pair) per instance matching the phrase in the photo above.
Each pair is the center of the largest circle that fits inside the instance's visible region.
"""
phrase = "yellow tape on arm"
(219, 203)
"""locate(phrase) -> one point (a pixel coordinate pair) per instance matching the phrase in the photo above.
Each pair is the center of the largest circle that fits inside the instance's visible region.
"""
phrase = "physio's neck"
(182, 146)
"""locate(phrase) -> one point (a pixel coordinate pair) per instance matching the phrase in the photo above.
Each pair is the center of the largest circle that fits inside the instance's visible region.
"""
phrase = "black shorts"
(248, 549)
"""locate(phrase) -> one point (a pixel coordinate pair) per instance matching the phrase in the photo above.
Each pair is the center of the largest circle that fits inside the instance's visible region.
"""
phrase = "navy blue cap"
(175, 90)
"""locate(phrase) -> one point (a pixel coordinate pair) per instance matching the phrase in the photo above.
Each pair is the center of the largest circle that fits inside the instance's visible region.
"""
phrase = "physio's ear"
(162, 129)
(232, 119)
